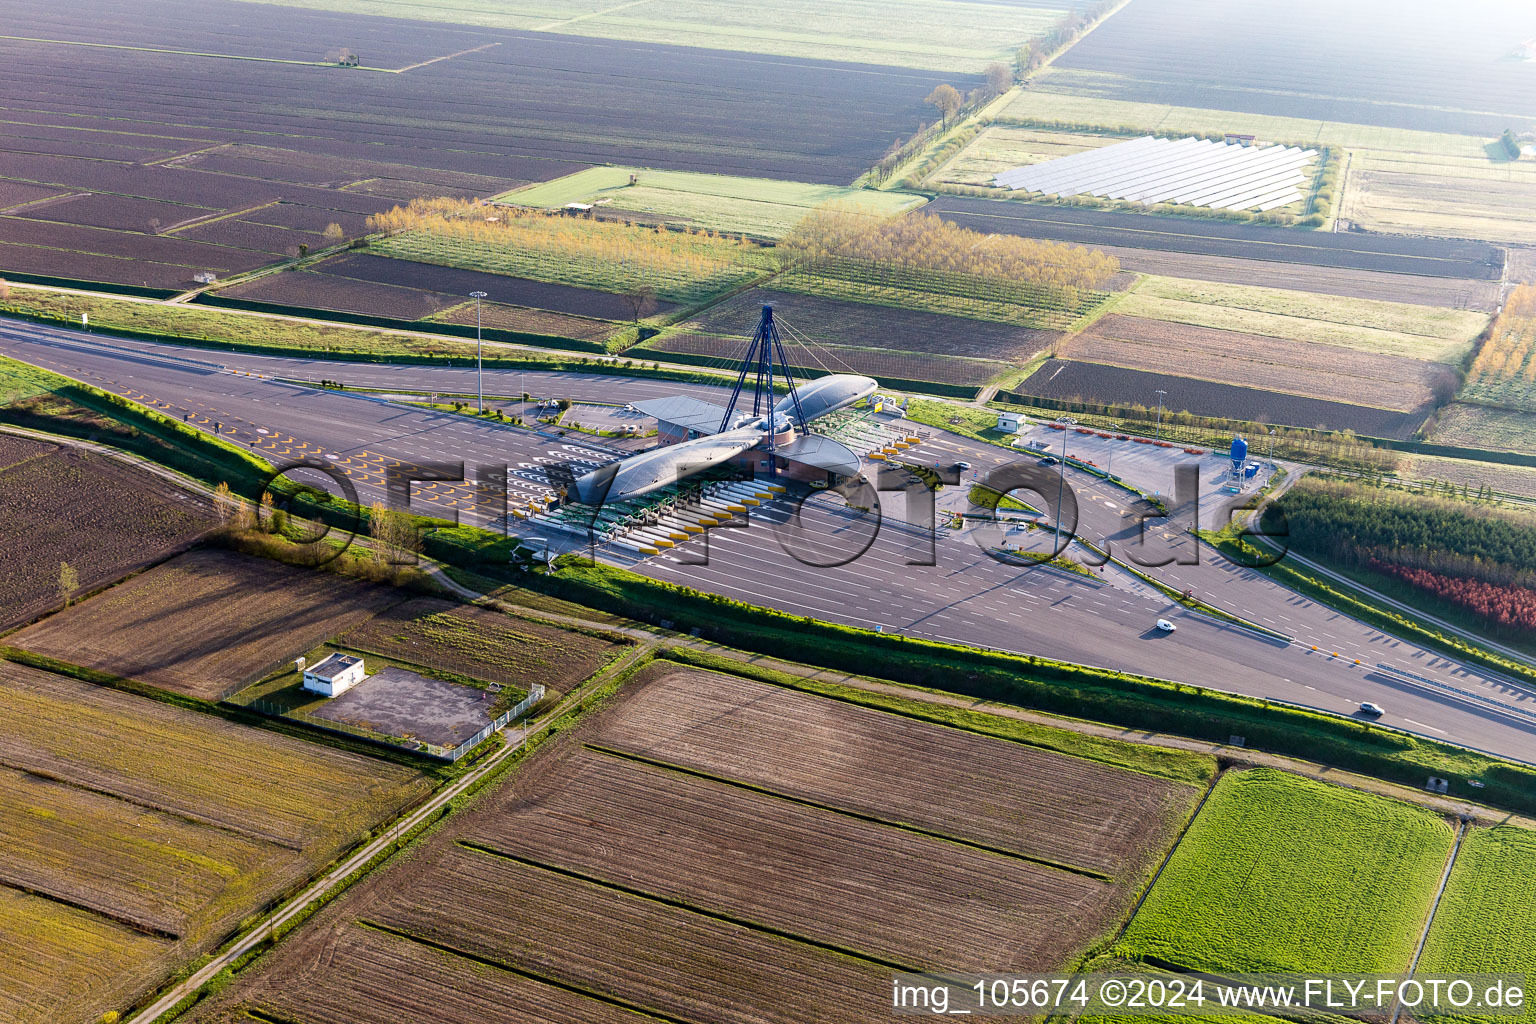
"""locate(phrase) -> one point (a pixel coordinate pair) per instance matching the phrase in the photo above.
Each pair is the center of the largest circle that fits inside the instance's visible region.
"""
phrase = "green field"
(1399, 180)
(22, 380)
(754, 206)
(1281, 873)
(1487, 917)
(940, 35)
(1388, 328)
(1478, 426)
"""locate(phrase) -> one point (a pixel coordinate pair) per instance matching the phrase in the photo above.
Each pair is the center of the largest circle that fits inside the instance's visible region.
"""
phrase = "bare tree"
(224, 503)
(5, 290)
(154, 225)
(642, 302)
(397, 535)
(333, 234)
(946, 98)
(999, 78)
(69, 582)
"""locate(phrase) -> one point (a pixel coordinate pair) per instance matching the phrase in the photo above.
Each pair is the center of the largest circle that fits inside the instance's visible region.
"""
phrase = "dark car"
(1049, 460)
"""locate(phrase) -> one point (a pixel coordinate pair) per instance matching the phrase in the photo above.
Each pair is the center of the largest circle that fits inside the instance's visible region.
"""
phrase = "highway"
(966, 597)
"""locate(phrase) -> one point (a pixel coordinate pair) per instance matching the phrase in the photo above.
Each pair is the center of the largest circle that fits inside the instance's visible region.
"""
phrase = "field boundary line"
(190, 817)
(940, 723)
(1177, 842)
(1434, 910)
(339, 876)
(182, 53)
(120, 918)
(434, 60)
(499, 965)
(679, 904)
(872, 819)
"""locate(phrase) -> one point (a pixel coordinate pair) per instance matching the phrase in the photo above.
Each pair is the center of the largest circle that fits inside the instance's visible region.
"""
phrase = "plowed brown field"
(206, 623)
(1324, 372)
(104, 518)
(138, 834)
(786, 888)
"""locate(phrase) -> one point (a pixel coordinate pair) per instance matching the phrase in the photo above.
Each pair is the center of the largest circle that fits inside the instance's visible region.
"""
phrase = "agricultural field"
(479, 643)
(1411, 289)
(186, 191)
(103, 518)
(801, 747)
(1326, 372)
(1180, 52)
(1476, 193)
(1253, 888)
(123, 862)
(1389, 328)
(1399, 179)
(448, 283)
(206, 623)
(547, 894)
(1480, 426)
(681, 266)
(1461, 260)
(1487, 919)
(1067, 380)
(758, 207)
(896, 369)
(1504, 372)
(929, 34)
(884, 342)
(944, 293)
(500, 316)
(1512, 481)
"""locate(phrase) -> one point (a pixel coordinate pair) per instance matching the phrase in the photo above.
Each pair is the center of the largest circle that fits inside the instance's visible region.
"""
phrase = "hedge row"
(93, 286)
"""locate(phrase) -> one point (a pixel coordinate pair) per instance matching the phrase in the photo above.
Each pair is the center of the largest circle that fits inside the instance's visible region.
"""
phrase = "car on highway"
(1049, 460)
(1166, 626)
(1374, 710)
(962, 466)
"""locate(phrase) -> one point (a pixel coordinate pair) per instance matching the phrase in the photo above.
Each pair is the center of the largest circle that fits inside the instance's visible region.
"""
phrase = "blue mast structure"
(758, 360)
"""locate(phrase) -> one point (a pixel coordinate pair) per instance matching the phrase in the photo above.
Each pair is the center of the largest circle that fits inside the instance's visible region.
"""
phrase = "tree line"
(926, 241)
(1359, 524)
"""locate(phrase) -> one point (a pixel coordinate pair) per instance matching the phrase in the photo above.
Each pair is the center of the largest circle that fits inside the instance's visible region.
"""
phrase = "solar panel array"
(1194, 172)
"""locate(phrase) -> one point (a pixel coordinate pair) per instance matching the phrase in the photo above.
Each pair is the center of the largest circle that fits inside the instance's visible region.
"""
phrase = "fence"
(275, 709)
(534, 696)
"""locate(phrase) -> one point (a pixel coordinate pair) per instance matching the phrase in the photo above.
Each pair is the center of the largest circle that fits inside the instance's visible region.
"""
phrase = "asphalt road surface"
(966, 596)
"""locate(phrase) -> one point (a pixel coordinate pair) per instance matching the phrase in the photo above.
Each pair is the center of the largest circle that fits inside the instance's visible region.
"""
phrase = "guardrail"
(1469, 694)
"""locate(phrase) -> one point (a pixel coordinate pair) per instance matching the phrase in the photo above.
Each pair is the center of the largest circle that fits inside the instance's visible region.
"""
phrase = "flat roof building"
(333, 675)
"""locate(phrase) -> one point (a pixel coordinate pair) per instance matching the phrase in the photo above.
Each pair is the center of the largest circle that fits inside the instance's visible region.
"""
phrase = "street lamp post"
(1061, 486)
(479, 362)
(1160, 395)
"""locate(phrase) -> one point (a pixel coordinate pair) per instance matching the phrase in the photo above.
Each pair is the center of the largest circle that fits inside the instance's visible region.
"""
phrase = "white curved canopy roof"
(828, 394)
(652, 470)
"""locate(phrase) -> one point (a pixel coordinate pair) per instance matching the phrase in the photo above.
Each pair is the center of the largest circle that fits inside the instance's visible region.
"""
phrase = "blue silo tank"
(1239, 451)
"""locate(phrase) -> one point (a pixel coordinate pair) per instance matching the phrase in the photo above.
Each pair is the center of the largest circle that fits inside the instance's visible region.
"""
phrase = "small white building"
(333, 675)
(1011, 422)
